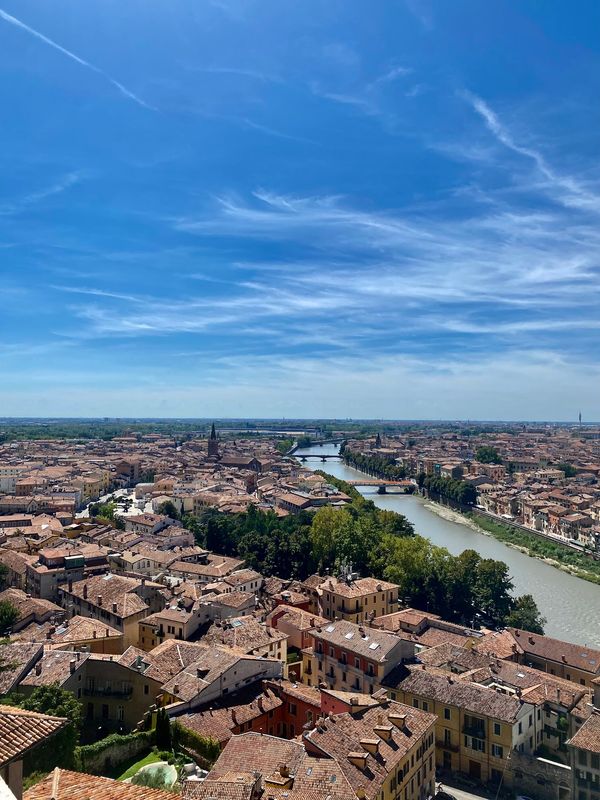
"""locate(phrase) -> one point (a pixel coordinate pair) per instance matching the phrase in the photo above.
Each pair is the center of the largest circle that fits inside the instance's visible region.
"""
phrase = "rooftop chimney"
(100, 600)
(94, 634)
(38, 668)
(72, 664)
(114, 608)
(85, 591)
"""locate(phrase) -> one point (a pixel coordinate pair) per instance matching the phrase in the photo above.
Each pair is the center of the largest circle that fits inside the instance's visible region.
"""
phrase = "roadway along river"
(571, 605)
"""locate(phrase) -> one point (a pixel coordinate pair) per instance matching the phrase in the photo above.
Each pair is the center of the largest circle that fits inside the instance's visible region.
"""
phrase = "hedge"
(113, 749)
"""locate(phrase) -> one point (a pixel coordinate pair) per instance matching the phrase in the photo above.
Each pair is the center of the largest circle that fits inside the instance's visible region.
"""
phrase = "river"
(570, 605)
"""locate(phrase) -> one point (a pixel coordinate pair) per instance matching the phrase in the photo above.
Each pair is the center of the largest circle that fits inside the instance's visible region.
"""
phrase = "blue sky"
(277, 208)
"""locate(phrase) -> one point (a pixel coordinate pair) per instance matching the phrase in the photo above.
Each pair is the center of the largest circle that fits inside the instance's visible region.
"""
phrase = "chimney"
(114, 608)
(143, 581)
(284, 770)
(85, 591)
(531, 640)
(100, 600)
(358, 759)
(564, 658)
(70, 584)
(399, 720)
(260, 704)
(233, 716)
(94, 634)
(38, 668)
(176, 688)
(107, 632)
(72, 664)
(370, 745)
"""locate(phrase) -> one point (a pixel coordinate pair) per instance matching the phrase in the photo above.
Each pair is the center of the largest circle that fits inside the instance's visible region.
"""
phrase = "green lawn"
(134, 766)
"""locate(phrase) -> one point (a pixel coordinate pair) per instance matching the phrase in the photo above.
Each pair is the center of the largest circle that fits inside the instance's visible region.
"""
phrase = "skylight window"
(349, 635)
(330, 628)
(373, 645)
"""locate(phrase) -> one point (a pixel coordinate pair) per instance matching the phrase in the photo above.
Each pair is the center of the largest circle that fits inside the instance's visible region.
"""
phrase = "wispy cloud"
(122, 89)
(573, 192)
(59, 186)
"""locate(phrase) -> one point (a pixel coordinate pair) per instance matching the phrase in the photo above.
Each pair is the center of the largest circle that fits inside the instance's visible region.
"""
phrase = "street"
(460, 794)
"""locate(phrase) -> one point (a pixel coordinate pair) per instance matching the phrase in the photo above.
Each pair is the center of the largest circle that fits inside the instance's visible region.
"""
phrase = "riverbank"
(552, 553)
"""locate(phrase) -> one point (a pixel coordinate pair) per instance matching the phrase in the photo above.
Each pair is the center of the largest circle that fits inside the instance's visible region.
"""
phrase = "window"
(425, 705)
(497, 751)
(497, 729)
(121, 713)
(292, 708)
(415, 703)
(582, 758)
(595, 762)
(447, 737)
(475, 744)
(357, 663)
(447, 714)
(146, 689)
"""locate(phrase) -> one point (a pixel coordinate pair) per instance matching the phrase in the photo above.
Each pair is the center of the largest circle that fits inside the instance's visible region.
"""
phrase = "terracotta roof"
(588, 736)
(15, 659)
(342, 734)
(245, 634)
(468, 696)
(357, 588)
(254, 751)
(54, 667)
(574, 655)
(21, 730)
(371, 643)
(62, 784)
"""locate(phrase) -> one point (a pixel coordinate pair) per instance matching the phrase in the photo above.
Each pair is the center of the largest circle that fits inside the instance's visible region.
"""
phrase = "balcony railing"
(118, 694)
(474, 730)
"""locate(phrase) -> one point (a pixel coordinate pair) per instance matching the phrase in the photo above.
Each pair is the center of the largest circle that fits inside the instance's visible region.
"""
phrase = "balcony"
(475, 731)
(442, 745)
(108, 692)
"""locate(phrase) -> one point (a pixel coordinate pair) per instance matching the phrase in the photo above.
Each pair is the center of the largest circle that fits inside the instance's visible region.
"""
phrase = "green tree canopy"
(487, 454)
(526, 615)
(57, 702)
(8, 616)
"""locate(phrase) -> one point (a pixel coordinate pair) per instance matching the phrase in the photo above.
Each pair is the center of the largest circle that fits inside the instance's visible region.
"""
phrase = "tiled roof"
(574, 655)
(341, 734)
(14, 660)
(468, 696)
(21, 730)
(113, 589)
(358, 588)
(246, 634)
(62, 784)
(588, 736)
(54, 667)
(220, 722)
(372, 643)
(237, 786)
(251, 752)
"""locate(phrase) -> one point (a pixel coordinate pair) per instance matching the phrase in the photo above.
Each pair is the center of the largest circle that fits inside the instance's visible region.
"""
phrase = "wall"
(539, 778)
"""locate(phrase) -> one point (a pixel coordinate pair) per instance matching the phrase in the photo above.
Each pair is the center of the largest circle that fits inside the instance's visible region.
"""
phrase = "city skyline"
(226, 210)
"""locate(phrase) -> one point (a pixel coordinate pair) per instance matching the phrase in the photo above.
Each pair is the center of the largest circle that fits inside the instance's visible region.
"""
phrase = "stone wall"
(540, 778)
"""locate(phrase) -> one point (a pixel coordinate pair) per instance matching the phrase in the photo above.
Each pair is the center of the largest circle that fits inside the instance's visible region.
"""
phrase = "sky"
(300, 208)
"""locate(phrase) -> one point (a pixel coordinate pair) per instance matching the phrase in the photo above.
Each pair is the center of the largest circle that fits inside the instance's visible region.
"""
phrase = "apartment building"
(120, 602)
(351, 657)
(386, 751)
(357, 599)
(477, 727)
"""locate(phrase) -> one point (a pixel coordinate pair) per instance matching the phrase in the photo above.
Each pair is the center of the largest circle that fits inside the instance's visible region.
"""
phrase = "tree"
(9, 614)
(168, 509)
(57, 702)
(164, 739)
(492, 589)
(486, 454)
(568, 469)
(526, 615)
(330, 527)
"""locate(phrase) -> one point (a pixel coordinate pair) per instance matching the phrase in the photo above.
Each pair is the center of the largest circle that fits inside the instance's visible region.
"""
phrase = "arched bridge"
(317, 457)
(382, 484)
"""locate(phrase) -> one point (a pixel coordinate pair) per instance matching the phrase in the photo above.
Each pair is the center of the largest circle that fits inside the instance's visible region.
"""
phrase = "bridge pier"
(382, 489)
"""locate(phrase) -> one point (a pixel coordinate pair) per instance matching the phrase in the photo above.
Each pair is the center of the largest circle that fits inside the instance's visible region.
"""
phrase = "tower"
(213, 443)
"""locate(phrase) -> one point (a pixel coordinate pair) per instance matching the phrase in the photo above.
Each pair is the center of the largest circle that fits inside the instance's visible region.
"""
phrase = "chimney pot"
(100, 600)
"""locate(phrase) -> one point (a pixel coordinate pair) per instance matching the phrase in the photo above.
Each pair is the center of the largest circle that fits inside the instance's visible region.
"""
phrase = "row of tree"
(380, 543)
(380, 466)
(458, 491)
